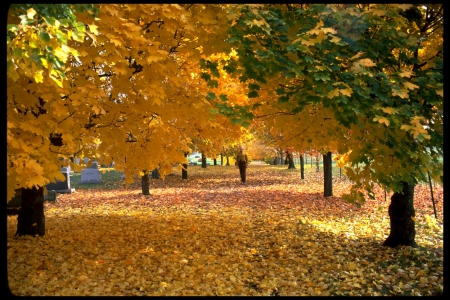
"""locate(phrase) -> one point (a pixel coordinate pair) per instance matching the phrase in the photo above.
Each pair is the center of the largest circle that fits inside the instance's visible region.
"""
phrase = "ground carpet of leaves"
(209, 235)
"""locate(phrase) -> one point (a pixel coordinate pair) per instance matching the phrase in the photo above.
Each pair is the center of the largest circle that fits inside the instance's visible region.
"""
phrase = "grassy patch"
(111, 179)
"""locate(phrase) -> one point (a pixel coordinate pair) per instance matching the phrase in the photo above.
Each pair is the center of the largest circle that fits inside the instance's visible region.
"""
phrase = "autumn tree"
(374, 71)
(101, 82)
(38, 50)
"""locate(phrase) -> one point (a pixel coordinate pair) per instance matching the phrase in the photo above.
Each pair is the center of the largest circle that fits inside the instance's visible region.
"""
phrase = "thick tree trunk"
(215, 161)
(203, 160)
(31, 219)
(145, 184)
(290, 157)
(327, 175)
(302, 167)
(401, 214)
(155, 174)
(228, 161)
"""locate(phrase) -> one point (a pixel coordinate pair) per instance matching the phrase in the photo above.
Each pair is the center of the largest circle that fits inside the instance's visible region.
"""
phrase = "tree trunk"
(145, 184)
(401, 214)
(317, 163)
(155, 174)
(203, 160)
(221, 159)
(184, 172)
(228, 161)
(290, 157)
(327, 175)
(302, 167)
(31, 219)
(281, 157)
(215, 161)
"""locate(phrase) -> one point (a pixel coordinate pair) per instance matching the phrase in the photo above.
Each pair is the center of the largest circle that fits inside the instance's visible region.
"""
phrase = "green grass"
(111, 179)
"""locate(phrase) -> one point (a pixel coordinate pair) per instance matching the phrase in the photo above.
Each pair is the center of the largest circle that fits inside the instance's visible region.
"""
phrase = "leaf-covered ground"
(209, 235)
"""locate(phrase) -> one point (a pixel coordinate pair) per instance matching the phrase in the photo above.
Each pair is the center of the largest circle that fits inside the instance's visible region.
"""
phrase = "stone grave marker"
(62, 187)
(90, 176)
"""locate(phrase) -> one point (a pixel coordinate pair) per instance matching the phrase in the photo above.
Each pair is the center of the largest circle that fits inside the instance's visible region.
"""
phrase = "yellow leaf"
(402, 93)
(346, 92)
(410, 85)
(38, 77)
(389, 110)
(333, 93)
(367, 62)
(30, 13)
(406, 73)
(381, 120)
(93, 28)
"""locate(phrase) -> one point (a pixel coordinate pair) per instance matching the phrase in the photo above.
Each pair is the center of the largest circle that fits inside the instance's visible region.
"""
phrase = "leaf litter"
(209, 235)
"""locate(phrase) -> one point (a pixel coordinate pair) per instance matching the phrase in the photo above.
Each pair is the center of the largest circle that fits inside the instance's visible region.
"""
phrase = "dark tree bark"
(184, 172)
(291, 162)
(290, 158)
(302, 167)
(327, 175)
(203, 160)
(31, 219)
(228, 161)
(155, 174)
(215, 161)
(221, 159)
(401, 211)
(145, 184)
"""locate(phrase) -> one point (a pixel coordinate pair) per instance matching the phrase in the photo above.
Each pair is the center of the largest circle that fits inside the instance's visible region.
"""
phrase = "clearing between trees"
(209, 235)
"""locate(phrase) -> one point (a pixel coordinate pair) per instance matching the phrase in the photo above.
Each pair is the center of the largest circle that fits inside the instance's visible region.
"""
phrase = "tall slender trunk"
(302, 167)
(145, 182)
(31, 219)
(401, 214)
(203, 160)
(327, 175)
(228, 161)
(221, 159)
(184, 171)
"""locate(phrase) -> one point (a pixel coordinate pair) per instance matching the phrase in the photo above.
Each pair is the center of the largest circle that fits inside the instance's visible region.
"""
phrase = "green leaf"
(213, 83)
(45, 36)
(205, 76)
(253, 86)
(211, 96)
(253, 94)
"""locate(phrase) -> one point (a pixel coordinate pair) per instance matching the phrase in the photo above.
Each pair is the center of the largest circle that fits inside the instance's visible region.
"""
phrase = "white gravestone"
(90, 176)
